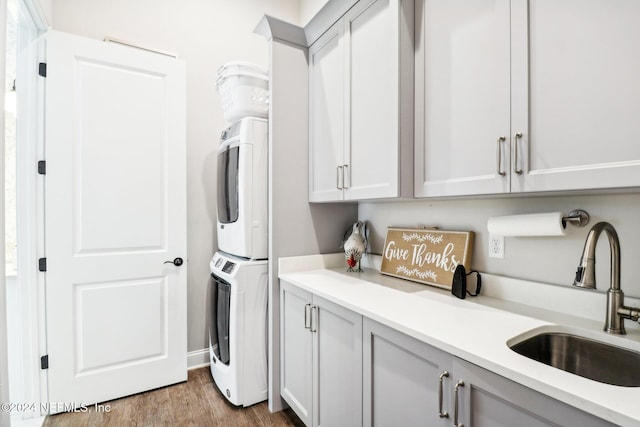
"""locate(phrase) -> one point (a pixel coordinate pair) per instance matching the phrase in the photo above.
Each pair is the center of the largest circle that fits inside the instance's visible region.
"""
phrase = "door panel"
(113, 130)
(104, 345)
(115, 210)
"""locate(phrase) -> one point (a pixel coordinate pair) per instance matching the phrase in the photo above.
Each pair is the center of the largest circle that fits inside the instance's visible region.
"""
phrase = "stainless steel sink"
(582, 356)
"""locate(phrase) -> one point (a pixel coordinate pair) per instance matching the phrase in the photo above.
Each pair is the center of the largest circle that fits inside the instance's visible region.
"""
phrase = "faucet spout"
(586, 277)
(586, 272)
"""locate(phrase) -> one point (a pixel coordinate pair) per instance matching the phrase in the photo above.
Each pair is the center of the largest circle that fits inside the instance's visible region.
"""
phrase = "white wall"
(308, 8)
(542, 259)
(206, 34)
(46, 10)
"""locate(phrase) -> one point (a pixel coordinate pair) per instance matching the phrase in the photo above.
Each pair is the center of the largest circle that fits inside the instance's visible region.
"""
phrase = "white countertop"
(473, 329)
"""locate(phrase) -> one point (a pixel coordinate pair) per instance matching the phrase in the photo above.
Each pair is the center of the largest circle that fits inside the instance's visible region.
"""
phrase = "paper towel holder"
(577, 218)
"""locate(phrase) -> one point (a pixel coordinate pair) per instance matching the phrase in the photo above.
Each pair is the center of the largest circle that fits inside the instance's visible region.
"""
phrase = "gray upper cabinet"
(526, 96)
(327, 98)
(361, 104)
(462, 97)
(578, 110)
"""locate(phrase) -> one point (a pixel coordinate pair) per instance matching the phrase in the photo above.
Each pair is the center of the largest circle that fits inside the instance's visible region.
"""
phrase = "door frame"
(30, 209)
(4, 368)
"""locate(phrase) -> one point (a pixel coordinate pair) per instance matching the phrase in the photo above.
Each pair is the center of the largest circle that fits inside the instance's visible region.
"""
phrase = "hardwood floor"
(197, 402)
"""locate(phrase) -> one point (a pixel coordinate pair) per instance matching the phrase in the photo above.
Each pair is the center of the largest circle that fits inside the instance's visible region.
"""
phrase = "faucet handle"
(586, 274)
(579, 274)
(631, 313)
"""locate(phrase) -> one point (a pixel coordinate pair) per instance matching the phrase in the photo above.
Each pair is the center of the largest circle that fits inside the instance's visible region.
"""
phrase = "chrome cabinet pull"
(338, 173)
(455, 404)
(500, 141)
(441, 413)
(345, 173)
(314, 319)
(307, 316)
(516, 136)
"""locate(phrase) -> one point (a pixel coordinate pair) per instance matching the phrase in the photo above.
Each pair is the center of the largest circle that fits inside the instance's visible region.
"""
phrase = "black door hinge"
(42, 167)
(42, 264)
(42, 69)
(44, 362)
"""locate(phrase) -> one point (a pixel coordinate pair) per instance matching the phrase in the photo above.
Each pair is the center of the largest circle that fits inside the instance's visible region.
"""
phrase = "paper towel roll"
(542, 224)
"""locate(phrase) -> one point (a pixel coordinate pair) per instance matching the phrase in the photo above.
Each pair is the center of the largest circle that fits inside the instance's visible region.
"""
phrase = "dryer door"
(228, 191)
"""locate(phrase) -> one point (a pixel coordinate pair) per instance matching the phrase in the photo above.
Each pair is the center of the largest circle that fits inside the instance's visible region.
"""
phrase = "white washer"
(238, 328)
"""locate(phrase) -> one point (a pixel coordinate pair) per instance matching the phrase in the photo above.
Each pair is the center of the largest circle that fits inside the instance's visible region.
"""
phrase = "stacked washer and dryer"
(238, 283)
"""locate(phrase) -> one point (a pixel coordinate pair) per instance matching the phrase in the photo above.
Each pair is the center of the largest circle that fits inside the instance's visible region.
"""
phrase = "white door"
(115, 211)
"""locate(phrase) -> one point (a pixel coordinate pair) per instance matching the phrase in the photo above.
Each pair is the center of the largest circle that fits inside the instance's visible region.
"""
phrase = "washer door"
(220, 300)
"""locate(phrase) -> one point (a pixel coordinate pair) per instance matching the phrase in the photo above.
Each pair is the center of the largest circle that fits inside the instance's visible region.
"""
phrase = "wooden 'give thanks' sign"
(426, 256)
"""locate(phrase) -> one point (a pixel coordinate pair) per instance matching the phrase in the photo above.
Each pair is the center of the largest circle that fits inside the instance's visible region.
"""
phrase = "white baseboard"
(198, 358)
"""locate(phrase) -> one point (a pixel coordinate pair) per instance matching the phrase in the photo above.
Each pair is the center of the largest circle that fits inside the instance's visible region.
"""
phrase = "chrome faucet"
(586, 278)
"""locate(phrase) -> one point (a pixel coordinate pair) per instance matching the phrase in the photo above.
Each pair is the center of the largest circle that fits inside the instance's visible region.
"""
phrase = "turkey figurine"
(355, 246)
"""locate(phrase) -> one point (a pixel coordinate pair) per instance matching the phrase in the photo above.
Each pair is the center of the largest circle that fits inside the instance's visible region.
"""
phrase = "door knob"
(177, 262)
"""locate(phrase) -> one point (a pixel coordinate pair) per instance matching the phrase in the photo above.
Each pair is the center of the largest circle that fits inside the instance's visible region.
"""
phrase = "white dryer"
(242, 189)
(238, 328)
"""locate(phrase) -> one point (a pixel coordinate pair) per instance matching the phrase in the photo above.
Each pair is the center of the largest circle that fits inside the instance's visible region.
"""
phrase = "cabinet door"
(576, 92)
(378, 39)
(401, 379)
(327, 99)
(489, 400)
(462, 97)
(372, 152)
(296, 350)
(337, 372)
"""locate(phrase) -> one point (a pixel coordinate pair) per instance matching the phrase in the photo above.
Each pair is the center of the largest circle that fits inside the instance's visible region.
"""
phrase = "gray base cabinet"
(340, 369)
(410, 383)
(402, 379)
(296, 344)
(489, 400)
(321, 359)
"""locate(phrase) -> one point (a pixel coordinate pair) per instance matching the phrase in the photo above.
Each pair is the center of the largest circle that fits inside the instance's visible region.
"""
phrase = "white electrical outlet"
(496, 246)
